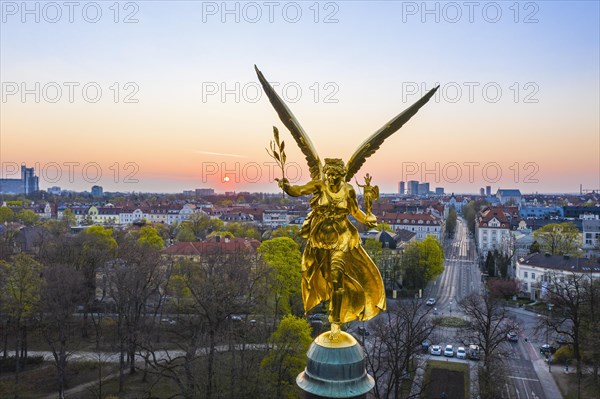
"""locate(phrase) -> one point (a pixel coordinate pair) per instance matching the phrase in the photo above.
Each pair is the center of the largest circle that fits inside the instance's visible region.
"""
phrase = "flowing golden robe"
(333, 242)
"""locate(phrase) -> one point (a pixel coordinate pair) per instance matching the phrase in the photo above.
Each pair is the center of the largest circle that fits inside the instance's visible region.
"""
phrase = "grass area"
(40, 381)
(451, 321)
(451, 378)
(567, 384)
(237, 374)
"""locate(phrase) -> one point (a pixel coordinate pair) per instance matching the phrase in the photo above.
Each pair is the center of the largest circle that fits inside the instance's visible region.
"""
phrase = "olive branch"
(277, 152)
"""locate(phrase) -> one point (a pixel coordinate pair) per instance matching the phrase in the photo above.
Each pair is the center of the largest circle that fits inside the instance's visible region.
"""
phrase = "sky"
(161, 96)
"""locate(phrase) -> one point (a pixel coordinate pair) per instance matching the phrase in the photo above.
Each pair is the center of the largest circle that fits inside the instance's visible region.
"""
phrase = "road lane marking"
(523, 378)
(525, 386)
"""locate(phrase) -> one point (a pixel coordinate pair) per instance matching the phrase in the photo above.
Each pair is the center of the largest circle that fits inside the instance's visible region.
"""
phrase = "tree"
(374, 249)
(282, 256)
(98, 247)
(242, 230)
(431, 257)
(488, 328)
(570, 297)
(6, 214)
(69, 218)
(18, 297)
(503, 288)
(149, 237)
(490, 264)
(28, 217)
(451, 222)
(558, 238)
(202, 224)
(290, 231)
(384, 227)
(287, 358)
(535, 247)
(395, 342)
(62, 290)
(208, 291)
(414, 272)
(185, 233)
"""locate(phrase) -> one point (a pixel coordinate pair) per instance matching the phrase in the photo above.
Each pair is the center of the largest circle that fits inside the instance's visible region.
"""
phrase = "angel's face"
(334, 177)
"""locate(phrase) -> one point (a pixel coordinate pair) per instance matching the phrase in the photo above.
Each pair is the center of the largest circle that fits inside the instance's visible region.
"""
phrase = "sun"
(226, 179)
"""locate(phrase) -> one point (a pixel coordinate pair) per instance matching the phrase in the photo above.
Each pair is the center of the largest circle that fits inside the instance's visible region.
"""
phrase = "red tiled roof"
(228, 246)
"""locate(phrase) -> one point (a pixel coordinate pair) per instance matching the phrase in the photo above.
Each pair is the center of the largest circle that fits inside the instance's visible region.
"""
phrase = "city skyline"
(166, 99)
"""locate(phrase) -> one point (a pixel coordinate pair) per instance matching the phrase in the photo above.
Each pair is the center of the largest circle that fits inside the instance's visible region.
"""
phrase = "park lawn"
(449, 377)
(568, 385)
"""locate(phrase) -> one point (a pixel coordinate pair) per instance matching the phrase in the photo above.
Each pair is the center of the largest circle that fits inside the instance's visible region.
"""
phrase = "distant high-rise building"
(27, 184)
(413, 187)
(423, 188)
(488, 191)
(439, 191)
(482, 191)
(97, 191)
(401, 188)
(204, 191)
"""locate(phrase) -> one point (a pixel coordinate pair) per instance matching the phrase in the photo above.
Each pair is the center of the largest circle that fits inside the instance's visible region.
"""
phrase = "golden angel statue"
(335, 267)
(370, 193)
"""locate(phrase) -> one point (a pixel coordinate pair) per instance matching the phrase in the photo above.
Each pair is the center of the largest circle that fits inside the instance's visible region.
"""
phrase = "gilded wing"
(289, 120)
(373, 143)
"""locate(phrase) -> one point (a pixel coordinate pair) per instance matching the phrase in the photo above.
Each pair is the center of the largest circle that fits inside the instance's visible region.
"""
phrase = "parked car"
(449, 351)
(512, 336)
(430, 302)
(473, 353)
(436, 350)
(425, 345)
(461, 353)
(547, 349)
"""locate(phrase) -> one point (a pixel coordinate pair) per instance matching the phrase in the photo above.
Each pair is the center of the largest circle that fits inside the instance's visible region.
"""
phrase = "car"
(547, 349)
(430, 302)
(461, 353)
(449, 351)
(436, 350)
(425, 345)
(512, 336)
(473, 352)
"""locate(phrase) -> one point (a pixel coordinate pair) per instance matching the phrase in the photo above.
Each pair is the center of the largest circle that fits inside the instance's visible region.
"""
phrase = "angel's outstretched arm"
(296, 191)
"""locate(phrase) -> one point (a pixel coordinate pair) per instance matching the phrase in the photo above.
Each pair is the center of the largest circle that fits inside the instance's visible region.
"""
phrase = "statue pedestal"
(335, 369)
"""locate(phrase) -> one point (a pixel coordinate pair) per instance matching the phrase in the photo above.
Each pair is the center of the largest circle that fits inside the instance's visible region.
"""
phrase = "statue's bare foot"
(334, 334)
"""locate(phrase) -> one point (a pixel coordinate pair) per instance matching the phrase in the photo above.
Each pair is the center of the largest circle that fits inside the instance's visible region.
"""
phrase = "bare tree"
(397, 338)
(574, 301)
(209, 295)
(135, 281)
(489, 325)
(62, 291)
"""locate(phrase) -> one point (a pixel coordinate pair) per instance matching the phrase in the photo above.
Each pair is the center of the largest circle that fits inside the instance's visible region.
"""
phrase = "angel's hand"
(371, 221)
(284, 183)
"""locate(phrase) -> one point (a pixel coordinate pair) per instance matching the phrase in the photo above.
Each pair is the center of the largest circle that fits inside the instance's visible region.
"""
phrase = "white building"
(422, 224)
(276, 218)
(492, 231)
(591, 235)
(537, 270)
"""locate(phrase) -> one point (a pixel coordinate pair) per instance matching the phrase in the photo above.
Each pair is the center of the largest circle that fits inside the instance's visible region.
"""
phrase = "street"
(461, 274)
